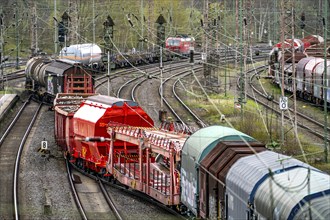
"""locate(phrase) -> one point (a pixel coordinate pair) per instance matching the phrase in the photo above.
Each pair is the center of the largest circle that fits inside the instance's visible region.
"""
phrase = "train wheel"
(102, 172)
(79, 163)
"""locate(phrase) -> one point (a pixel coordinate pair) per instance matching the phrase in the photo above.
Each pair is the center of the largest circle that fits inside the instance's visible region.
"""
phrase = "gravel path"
(44, 190)
(138, 208)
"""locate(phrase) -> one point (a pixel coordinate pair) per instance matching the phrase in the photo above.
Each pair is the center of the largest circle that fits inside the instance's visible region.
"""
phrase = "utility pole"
(150, 10)
(241, 99)
(160, 22)
(1, 49)
(93, 21)
(226, 51)
(34, 31)
(237, 32)
(55, 30)
(275, 21)
(325, 93)
(73, 37)
(287, 29)
(108, 45)
(293, 60)
(205, 40)
(142, 23)
(17, 34)
(318, 26)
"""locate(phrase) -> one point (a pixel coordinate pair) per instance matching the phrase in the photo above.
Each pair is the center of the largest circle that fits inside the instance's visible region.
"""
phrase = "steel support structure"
(325, 80)
(34, 30)
(287, 32)
(205, 41)
(74, 22)
(17, 35)
(1, 49)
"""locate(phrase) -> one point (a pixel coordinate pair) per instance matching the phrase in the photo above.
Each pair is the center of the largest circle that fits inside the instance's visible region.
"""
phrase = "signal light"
(302, 17)
(61, 32)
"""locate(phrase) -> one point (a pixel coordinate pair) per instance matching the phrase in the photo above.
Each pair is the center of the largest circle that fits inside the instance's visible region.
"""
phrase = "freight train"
(309, 69)
(91, 55)
(310, 83)
(47, 77)
(74, 70)
(300, 48)
(215, 173)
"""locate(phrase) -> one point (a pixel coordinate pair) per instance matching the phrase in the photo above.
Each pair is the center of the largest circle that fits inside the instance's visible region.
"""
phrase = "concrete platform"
(6, 102)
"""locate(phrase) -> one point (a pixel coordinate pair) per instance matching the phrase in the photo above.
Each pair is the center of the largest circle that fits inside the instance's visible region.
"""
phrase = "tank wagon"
(91, 55)
(83, 53)
(47, 77)
(215, 173)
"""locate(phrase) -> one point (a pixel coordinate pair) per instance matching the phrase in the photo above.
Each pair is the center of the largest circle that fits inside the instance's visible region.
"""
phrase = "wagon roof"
(205, 139)
(109, 100)
(96, 106)
(58, 68)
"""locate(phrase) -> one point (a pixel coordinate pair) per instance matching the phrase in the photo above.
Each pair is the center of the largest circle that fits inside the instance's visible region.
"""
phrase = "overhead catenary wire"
(143, 71)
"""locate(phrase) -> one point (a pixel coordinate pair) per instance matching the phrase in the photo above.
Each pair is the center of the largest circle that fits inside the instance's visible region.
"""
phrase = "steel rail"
(18, 157)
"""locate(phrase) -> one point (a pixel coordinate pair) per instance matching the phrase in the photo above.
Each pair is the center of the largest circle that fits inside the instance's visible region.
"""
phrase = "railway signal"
(63, 29)
(107, 37)
(61, 32)
(160, 42)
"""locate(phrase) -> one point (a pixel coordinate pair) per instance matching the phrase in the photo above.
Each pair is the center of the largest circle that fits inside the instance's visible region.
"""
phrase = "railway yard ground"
(45, 188)
(164, 109)
(262, 123)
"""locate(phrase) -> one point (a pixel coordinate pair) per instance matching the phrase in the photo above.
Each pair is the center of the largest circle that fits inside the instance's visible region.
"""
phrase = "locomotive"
(215, 173)
(179, 45)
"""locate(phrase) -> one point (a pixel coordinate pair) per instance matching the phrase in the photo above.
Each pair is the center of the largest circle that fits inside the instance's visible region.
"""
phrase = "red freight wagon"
(82, 129)
(66, 104)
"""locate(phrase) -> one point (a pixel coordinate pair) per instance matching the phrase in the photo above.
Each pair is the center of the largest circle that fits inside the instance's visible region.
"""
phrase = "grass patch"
(260, 124)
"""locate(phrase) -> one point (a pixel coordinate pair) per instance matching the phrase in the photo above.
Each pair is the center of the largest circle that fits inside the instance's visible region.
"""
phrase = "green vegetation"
(182, 16)
(258, 122)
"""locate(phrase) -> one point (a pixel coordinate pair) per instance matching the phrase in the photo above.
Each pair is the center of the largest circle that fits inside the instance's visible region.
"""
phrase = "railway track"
(86, 189)
(124, 198)
(304, 121)
(183, 113)
(127, 74)
(11, 146)
(147, 87)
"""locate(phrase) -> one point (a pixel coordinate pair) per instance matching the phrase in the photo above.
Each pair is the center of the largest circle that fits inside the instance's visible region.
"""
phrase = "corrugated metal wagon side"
(213, 171)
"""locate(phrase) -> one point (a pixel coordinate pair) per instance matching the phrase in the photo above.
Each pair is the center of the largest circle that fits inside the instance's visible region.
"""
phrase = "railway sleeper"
(47, 204)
